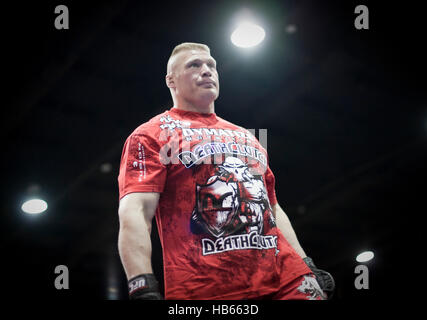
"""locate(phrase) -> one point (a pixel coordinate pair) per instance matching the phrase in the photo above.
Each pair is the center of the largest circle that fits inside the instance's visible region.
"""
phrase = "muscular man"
(208, 183)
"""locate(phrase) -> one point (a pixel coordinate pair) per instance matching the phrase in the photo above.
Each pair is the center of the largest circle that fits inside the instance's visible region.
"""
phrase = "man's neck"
(201, 108)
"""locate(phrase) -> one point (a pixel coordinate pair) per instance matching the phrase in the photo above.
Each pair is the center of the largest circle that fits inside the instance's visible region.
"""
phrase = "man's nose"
(206, 72)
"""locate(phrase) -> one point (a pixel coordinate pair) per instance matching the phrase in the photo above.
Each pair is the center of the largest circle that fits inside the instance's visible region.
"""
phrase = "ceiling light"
(247, 35)
(34, 206)
(365, 256)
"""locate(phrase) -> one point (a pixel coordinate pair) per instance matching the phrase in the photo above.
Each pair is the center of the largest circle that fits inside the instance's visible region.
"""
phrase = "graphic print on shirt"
(231, 209)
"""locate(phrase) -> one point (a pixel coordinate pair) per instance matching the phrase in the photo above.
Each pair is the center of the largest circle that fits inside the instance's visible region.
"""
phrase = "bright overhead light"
(365, 256)
(247, 35)
(34, 206)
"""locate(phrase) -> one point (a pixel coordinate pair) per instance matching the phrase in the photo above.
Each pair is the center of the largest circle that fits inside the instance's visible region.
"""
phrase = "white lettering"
(239, 242)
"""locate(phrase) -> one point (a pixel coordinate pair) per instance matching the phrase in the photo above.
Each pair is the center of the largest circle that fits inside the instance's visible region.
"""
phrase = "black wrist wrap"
(144, 287)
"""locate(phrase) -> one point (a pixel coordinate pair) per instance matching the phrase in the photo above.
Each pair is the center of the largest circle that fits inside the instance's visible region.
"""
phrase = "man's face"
(195, 77)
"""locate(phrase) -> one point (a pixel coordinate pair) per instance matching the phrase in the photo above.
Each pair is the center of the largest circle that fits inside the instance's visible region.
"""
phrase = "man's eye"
(194, 64)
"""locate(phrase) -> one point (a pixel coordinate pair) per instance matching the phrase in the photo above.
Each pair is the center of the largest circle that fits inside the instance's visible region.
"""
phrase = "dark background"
(345, 110)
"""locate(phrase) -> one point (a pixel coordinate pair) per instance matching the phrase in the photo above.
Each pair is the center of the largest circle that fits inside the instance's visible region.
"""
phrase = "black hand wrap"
(325, 279)
(144, 287)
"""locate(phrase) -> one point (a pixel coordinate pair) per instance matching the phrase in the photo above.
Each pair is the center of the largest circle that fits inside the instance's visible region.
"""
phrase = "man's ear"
(170, 81)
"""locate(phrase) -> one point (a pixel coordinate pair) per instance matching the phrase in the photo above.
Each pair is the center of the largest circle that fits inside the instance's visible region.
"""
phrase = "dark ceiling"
(345, 111)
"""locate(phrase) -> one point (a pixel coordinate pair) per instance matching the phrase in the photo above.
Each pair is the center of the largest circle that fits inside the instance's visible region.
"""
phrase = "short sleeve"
(270, 183)
(140, 167)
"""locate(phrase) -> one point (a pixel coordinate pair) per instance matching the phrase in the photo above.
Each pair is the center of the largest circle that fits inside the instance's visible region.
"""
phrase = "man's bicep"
(275, 207)
(278, 212)
(134, 205)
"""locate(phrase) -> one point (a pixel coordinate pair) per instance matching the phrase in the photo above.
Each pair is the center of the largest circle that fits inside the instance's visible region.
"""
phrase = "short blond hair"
(186, 46)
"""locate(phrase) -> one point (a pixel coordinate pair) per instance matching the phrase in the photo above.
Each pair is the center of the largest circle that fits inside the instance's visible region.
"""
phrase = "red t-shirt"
(214, 217)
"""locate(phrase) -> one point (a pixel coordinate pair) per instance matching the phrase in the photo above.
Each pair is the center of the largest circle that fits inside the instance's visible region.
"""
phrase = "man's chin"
(208, 97)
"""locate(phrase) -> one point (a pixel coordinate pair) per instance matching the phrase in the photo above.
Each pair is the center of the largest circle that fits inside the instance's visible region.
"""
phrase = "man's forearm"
(287, 230)
(135, 247)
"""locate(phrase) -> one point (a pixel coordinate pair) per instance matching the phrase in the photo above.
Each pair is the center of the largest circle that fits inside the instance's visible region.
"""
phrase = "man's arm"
(325, 279)
(285, 227)
(136, 212)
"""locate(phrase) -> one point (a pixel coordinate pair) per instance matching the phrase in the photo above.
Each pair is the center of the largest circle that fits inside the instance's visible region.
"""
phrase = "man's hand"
(144, 287)
(325, 279)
